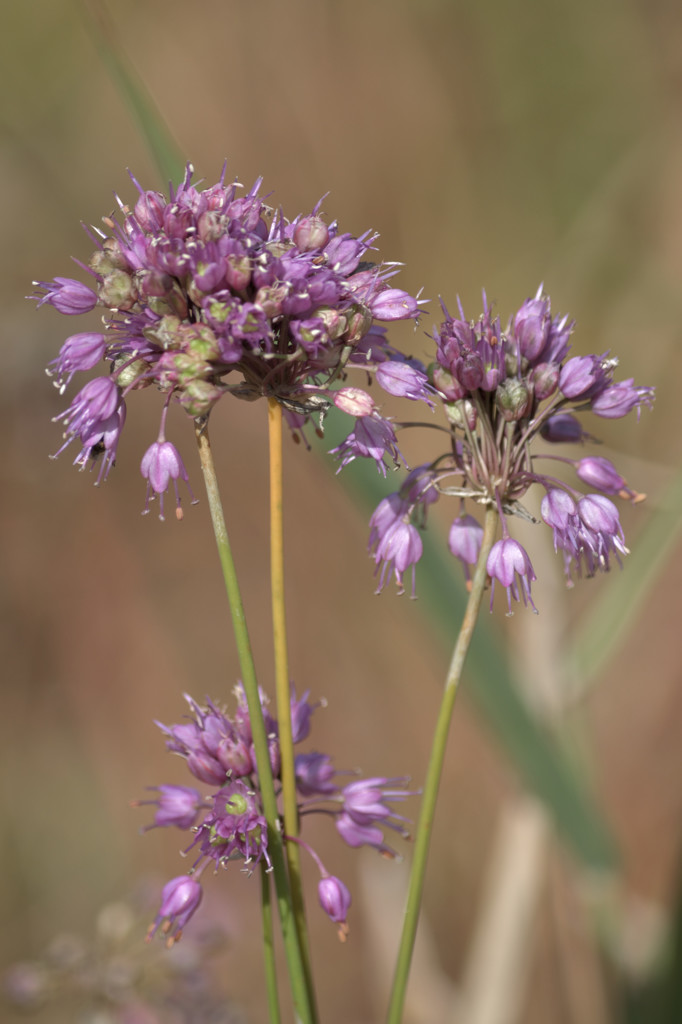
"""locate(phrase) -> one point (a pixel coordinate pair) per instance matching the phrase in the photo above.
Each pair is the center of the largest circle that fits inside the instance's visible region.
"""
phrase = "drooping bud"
(335, 900)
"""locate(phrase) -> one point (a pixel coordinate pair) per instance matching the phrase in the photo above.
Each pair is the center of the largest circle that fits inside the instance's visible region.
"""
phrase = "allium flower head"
(209, 293)
(501, 389)
(228, 824)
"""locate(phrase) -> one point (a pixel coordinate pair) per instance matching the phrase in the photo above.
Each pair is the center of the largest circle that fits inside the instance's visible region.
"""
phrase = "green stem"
(292, 950)
(428, 806)
(282, 683)
(269, 946)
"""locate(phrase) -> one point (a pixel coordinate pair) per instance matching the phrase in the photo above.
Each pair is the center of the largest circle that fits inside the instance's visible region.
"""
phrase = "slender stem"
(282, 683)
(269, 946)
(425, 824)
(297, 976)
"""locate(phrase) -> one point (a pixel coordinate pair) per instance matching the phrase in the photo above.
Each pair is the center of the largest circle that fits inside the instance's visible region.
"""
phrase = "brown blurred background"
(491, 144)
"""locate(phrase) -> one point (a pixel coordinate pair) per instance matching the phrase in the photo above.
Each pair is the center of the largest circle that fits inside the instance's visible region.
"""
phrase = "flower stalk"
(297, 975)
(282, 682)
(430, 792)
(269, 947)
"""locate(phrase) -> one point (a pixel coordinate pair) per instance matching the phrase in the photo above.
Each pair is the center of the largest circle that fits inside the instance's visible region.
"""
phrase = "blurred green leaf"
(151, 123)
(612, 618)
(536, 755)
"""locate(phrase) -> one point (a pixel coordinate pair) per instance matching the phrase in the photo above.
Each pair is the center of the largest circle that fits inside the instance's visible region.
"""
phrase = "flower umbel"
(211, 293)
(227, 823)
(500, 390)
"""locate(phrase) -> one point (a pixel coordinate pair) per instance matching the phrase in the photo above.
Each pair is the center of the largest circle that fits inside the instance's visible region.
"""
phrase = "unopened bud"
(131, 373)
(443, 381)
(311, 233)
(117, 290)
(354, 401)
(513, 398)
(199, 397)
(461, 414)
(545, 378)
(359, 322)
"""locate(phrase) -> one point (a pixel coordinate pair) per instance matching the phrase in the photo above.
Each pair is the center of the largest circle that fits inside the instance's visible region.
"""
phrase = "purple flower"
(356, 835)
(301, 713)
(372, 437)
(67, 295)
(404, 381)
(79, 352)
(464, 540)
(232, 824)
(314, 774)
(618, 399)
(509, 564)
(93, 405)
(499, 390)
(396, 542)
(160, 464)
(364, 800)
(589, 536)
(177, 805)
(335, 900)
(582, 376)
(179, 900)
(394, 304)
(201, 290)
(235, 827)
(558, 510)
(354, 401)
(598, 472)
(563, 427)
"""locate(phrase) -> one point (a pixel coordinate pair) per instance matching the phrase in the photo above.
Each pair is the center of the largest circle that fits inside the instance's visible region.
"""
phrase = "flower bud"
(562, 427)
(354, 401)
(359, 320)
(513, 398)
(270, 298)
(545, 379)
(149, 210)
(108, 258)
(199, 396)
(469, 370)
(443, 381)
(335, 322)
(311, 233)
(131, 373)
(211, 225)
(237, 271)
(335, 900)
(600, 473)
(461, 414)
(117, 290)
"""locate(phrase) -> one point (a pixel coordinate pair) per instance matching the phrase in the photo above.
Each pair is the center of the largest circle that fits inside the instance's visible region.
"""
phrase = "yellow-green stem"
(282, 681)
(297, 975)
(430, 794)
(269, 946)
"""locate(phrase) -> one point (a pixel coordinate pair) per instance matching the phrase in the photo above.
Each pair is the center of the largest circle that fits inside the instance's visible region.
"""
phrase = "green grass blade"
(615, 613)
(153, 127)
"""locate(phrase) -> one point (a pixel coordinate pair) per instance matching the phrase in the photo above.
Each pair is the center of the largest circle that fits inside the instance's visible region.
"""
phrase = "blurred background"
(494, 145)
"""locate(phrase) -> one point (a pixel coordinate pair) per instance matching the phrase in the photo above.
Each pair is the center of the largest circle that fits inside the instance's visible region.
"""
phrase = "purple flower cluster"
(228, 822)
(500, 389)
(211, 293)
